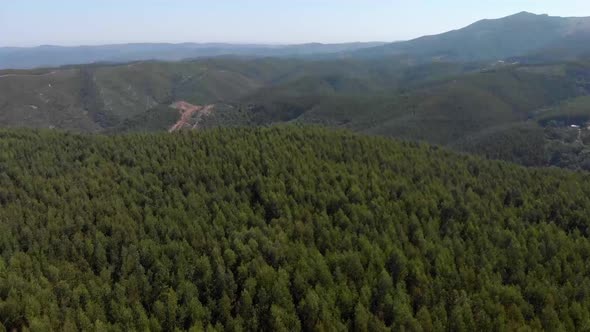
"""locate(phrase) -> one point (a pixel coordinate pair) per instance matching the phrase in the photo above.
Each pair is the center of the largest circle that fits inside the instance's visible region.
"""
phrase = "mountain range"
(52, 56)
(450, 89)
(526, 36)
(518, 35)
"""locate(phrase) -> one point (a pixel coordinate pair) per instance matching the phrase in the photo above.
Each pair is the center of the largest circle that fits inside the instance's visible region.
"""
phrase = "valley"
(469, 107)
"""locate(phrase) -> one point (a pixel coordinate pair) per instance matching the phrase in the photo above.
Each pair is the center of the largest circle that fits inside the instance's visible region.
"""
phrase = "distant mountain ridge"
(54, 56)
(495, 39)
(524, 37)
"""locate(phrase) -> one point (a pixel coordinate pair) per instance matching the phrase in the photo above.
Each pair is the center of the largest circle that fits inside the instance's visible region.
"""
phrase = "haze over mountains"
(518, 35)
(521, 35)
(52, 56)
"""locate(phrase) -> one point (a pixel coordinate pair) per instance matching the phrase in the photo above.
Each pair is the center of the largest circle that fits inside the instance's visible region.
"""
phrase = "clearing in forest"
(190, 115)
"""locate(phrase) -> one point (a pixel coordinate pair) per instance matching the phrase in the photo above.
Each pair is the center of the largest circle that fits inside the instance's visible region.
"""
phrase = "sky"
(92, 22)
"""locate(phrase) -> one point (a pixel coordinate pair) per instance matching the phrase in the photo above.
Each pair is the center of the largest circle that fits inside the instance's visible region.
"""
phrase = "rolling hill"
(98, 97)
(462, 105)
(108, 95)
(499, 112)
(489, 40)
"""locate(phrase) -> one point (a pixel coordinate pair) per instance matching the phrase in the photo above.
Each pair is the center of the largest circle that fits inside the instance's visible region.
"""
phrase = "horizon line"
(225, 43)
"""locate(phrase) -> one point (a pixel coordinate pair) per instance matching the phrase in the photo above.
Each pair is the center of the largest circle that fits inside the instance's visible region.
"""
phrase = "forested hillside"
(499, 110)
(103, 97)
(527, 36)
(282, 229)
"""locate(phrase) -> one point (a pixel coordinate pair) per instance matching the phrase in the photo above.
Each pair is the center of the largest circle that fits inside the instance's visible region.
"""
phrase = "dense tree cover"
(554, 136)
(568, 147)
(521, 143)
(284, 228)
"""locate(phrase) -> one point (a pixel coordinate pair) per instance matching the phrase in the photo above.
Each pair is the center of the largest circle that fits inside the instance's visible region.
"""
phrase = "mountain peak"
(492, 39)
(525, 15)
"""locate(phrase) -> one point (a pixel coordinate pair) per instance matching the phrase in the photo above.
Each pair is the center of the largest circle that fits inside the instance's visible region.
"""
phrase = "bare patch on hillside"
(190, 115)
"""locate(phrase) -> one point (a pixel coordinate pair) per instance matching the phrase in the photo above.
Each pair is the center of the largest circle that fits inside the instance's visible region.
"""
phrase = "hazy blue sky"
(74, 22)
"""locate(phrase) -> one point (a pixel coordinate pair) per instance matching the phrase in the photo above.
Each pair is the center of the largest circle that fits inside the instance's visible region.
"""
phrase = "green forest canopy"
(282, 229)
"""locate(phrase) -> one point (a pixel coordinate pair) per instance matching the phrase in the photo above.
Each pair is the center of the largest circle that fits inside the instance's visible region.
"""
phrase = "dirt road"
(187, 112)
